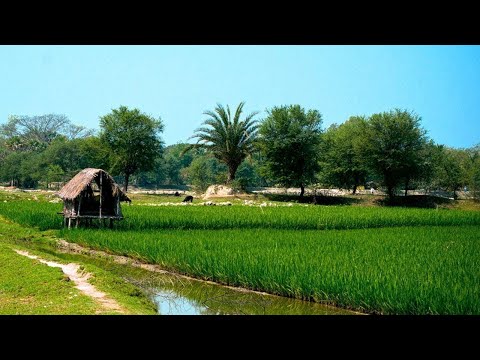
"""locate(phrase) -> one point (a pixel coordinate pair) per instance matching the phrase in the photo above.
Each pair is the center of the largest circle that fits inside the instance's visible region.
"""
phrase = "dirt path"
(81, 281)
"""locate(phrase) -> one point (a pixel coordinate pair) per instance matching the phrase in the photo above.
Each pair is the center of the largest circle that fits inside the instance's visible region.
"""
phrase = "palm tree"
(230, 140)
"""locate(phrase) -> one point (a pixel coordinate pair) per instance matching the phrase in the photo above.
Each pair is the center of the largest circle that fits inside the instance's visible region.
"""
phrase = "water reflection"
(185, 297)
(170, 303)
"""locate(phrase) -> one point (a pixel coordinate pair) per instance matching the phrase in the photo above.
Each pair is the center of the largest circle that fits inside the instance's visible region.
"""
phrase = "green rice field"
(44, 216)
(375, 260)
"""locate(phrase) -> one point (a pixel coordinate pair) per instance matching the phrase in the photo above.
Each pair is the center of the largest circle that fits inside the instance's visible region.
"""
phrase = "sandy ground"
(81, 282)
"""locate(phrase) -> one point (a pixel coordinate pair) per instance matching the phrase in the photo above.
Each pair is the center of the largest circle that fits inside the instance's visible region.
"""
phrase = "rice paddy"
(375, 260)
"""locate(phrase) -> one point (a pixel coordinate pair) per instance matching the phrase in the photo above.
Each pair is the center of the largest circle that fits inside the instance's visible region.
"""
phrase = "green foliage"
(54, 174)
(133, 138)
(228, 138)
(22, 168)
(248, 174)
(29, 168)
(342, 162)
(204, 171)
(175, 161)
(289, 143)
(394, 147)
(452, 169)
(34, 133)
(169, 168)
(473, 171)
(30, 144)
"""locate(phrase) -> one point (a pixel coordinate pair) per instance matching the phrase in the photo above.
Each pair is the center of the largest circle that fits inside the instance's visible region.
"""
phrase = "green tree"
(133, 138)
(427, 173)
(74, 155)
(394, 146)
(175, 161)
(228, 138)
(248, 174)
(21, 168)
(92, 153)
(474, 171)
(34, 133)
(54, 174)
(452, 170)
(203, 171)
(342, 162)
(289, 141)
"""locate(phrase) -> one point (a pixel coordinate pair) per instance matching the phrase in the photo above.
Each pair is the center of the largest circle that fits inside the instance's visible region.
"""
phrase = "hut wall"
(118, 209)
(69, 208)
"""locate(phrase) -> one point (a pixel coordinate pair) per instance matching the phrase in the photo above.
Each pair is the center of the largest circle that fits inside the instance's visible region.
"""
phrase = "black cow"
(188, 198)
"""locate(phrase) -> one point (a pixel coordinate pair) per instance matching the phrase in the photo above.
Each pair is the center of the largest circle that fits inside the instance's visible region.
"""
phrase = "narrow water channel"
(176, 295)
(189, 297)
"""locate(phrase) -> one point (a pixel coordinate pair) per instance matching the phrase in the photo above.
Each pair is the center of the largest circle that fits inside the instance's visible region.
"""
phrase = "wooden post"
(69, 223)
(79, 204)
(101, 195)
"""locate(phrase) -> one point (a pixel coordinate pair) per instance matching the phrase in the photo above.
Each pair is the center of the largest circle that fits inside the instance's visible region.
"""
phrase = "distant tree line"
(288, 148)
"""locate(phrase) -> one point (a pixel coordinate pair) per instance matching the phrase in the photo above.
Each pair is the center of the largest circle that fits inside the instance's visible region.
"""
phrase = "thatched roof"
(80, 181)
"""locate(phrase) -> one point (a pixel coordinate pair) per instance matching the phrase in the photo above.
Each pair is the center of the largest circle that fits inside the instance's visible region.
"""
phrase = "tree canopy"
(394, 146)
(289, 143)
(287, 148)
(229, 138)
(133, 138)
(342, 162)
(24, 133)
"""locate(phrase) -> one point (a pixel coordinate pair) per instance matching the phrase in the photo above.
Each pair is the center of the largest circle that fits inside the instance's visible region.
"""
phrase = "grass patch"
(29, 287)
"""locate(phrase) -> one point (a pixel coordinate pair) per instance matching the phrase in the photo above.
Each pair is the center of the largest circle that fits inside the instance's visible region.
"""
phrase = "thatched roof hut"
(92, 193)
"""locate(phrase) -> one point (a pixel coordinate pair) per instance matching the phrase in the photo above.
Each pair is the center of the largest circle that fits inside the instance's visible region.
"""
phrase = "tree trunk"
(125, 186)
(232, 169)
(407, 180)
(390, 192)
(390, 183)
(355, 184)
(302, 190)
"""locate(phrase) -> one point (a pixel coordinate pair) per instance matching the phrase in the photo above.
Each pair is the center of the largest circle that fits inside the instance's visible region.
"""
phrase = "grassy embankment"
(28, 287)
(379, 260)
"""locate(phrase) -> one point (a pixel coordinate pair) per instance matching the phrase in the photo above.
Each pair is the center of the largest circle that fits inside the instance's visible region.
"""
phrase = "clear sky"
(178, 83)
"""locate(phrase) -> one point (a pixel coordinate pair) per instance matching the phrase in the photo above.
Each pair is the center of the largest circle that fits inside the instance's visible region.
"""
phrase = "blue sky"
(178, 83)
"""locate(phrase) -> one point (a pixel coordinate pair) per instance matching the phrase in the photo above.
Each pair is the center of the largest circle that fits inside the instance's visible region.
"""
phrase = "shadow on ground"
(416, 201)
(309, 199)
